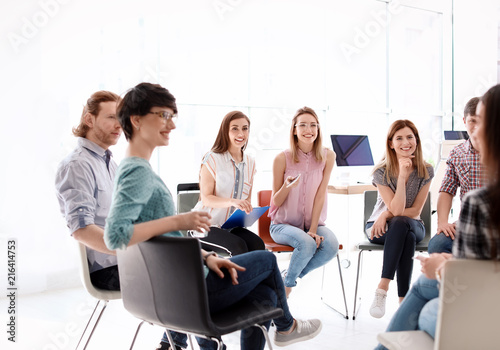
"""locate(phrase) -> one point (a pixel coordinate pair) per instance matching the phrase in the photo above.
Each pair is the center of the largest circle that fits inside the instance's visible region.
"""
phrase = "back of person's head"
(318, 143)
(222, 141)
(139, 100)
(491, 131)
(489, 140)
(93, 106)
(470, 107)
(390, 159)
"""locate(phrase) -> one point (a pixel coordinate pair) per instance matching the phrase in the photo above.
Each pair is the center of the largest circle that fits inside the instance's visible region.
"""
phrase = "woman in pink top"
(299, 200)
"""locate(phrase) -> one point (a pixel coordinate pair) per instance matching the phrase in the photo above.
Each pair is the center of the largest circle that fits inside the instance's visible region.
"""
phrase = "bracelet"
(205, 257)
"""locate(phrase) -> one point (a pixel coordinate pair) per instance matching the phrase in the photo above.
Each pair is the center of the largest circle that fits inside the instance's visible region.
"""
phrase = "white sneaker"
(377, 309)
(304, 330)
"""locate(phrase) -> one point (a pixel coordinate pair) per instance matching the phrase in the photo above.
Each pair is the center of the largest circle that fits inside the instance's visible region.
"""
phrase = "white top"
(231, 181)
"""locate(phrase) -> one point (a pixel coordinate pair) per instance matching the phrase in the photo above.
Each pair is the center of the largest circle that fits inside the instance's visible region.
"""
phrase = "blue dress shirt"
(84, 187)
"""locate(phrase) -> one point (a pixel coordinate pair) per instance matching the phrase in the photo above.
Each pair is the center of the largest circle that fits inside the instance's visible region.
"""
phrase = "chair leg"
(346, 314)
(171, 340)
(343, 289)
(220, 343)
(136, 333)
(190, 341)
(266, 335)
(354, 311)
(95, 325)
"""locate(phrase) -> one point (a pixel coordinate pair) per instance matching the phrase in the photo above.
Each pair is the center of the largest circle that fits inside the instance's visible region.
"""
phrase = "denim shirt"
(84, 186)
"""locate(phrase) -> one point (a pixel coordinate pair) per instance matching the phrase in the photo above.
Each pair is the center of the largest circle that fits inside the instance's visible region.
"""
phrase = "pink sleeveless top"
(296, 210)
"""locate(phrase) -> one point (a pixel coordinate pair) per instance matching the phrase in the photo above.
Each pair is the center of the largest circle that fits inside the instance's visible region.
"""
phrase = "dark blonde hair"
(222, 142)
(318, 143)
(390, 159)
(93, 106)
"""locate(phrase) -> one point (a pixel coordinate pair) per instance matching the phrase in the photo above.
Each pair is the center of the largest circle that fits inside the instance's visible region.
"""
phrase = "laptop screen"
(352, 150)
(455, 135)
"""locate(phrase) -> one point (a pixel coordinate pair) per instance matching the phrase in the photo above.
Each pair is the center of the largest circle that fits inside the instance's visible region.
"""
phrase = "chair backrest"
(469, 307)
(370, 201)
(163, 282)
(264, 199)
(425, 215)
(188, 194)
(97, 293)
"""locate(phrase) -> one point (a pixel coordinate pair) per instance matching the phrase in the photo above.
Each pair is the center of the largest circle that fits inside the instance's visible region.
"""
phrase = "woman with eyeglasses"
(403, 179)
(143, 208)
(299, 199)
(226, 181)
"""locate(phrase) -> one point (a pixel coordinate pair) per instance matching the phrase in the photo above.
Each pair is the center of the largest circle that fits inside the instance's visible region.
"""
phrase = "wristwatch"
(205, 256)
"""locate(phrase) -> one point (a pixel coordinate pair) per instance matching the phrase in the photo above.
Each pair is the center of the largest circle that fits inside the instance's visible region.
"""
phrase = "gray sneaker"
(304, 330)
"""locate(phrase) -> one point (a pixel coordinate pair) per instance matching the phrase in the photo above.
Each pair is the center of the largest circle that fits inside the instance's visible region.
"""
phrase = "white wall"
(266, 58)
(476, 50)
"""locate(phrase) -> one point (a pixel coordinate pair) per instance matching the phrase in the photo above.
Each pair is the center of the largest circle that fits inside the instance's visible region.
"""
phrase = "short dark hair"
(93, 106)
(470, 107)
(139, 100)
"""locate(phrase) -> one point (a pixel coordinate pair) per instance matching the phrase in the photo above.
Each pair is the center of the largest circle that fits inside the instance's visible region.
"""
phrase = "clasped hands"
(317, 238)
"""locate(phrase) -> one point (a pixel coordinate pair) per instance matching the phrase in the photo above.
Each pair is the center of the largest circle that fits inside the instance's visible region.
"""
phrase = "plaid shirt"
(463, 170)
(473, 239)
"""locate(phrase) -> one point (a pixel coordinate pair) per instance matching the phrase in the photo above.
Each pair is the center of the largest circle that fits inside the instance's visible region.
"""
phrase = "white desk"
(346, 218)
(350, 189)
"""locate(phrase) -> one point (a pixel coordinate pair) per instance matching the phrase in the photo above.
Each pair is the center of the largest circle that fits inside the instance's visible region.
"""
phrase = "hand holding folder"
(241, 219)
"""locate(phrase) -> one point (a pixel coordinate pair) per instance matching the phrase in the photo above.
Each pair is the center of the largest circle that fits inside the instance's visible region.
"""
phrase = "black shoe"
(166, 346)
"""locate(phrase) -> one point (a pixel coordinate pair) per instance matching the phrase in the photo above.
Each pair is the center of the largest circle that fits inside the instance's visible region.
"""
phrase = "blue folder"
(241, 219)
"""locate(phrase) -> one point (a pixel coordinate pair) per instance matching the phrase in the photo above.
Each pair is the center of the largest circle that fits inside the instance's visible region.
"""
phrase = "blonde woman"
(299, 199)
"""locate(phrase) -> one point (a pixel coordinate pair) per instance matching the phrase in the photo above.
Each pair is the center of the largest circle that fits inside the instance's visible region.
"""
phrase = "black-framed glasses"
(166, 115)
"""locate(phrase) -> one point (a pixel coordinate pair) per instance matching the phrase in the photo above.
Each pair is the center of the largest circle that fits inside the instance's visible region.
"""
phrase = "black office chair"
(163, 283)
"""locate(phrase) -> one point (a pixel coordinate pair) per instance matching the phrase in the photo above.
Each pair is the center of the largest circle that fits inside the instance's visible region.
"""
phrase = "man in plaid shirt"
(464, 171)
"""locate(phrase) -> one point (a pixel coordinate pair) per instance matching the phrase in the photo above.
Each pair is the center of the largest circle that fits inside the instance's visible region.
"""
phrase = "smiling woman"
(143, 208)
(403, 179)
(226, 181)
(299, 202)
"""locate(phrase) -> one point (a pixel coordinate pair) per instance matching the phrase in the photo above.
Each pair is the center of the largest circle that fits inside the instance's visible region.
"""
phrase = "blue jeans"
(306, 256)
(440, 243)
(399, 242)
(261, 283)
(418, 309)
